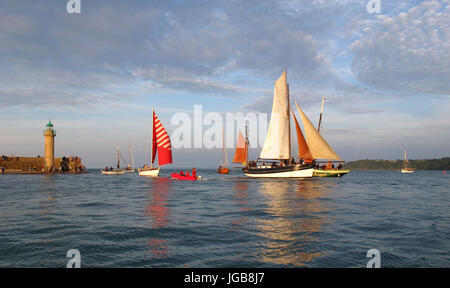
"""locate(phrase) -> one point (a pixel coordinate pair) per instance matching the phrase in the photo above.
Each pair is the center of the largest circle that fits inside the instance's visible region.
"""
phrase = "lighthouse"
(49, 135)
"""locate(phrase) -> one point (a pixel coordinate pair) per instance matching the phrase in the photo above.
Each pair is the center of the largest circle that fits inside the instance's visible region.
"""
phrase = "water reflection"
(297, 212)
(47, 202)
(240, 199)
(158, 211)
(49, 196)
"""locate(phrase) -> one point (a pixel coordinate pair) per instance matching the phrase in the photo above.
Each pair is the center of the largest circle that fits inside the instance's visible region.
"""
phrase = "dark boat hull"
(291, 171)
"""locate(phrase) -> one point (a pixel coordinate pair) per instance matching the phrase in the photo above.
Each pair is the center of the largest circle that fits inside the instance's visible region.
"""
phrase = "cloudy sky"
(97, 75)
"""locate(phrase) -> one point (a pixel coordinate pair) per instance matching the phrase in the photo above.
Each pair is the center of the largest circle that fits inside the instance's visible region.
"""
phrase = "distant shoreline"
(417, 164)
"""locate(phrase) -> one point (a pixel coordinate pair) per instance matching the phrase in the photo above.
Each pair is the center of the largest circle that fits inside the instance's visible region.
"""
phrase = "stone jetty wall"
(19, 164)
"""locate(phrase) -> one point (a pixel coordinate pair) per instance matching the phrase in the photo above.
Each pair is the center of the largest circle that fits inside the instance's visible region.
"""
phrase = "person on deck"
(194, 173)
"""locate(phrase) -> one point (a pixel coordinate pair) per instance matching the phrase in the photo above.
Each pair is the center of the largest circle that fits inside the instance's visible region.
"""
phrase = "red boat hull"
(183, 177)
(223, 170)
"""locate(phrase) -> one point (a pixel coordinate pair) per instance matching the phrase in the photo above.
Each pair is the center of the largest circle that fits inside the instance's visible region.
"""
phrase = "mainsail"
(303, 149)
(241, 150)
(161, 141)
(277, 143)
(317, 145)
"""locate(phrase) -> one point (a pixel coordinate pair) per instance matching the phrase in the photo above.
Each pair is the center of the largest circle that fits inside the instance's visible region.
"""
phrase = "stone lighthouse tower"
(49, 135)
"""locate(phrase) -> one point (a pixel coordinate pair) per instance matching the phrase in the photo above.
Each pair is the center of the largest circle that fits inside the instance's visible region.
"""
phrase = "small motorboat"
(182, 176)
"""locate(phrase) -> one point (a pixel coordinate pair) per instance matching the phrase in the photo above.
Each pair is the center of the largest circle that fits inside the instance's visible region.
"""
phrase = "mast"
(118, 159)
(131, 157)
(289, 120)
(224, 153)
(321, 111)
(405, 161)
(246, 145)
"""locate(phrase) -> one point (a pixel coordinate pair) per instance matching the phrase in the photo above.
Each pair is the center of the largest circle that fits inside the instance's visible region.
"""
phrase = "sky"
(98, 74)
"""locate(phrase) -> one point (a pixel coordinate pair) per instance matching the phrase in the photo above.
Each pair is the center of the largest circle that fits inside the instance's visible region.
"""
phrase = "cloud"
(217, 49)
(408, 52)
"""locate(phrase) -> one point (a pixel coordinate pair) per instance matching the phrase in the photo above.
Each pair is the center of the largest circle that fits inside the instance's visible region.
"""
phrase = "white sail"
(317, 145)
(276, 145)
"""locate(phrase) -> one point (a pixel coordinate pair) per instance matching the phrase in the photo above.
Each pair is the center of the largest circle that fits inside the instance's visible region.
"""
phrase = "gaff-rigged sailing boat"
(116, 171)
(223, 169)
(241, 154)
(130, 167)
(315, 148)
(405, 168)
(161, 145)
(275, 159)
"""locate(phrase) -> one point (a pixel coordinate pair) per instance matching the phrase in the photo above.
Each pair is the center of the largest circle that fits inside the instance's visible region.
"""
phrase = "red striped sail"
(161, 141)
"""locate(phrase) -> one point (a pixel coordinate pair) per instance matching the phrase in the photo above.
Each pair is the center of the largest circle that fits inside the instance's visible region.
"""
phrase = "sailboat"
(161, 145)
(130, 167)
(316, 147)
(116, 171)
(275, 159)
(223, 169)
(241, 154)
(405, 168)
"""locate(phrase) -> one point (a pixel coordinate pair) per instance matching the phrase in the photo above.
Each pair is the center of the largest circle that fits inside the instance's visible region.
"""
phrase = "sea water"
(225, 220)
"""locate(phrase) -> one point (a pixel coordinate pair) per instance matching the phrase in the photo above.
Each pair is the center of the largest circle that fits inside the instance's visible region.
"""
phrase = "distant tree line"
(423, 164)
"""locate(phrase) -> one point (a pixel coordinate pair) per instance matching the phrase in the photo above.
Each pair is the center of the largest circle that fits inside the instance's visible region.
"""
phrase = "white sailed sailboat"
(160, 145)
(115, 171)
(275, 159)
(405, 168)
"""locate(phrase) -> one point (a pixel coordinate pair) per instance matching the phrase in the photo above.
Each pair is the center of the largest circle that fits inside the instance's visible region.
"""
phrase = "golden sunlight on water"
(240, 199)
(295, 213)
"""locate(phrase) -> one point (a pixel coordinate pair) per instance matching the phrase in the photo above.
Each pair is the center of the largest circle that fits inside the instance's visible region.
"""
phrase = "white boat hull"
(152, 172)
(304, 173)
(113, 172)
(407, 171)
(129, 170)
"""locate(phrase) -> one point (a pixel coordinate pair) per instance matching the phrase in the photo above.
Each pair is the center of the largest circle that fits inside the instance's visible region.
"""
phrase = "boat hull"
(223, 170)
(113, 172)
(129, 170)
(329, 173)
(151, 172)
(407, 171)
(296, 171)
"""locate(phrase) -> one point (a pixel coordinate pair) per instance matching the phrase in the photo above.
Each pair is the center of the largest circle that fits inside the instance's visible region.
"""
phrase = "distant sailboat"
(316, 147)
(130, 167)
(161, 145)
(115, 171)
(223, 169)
(241, 154)
(405, 168)
(275, 159)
